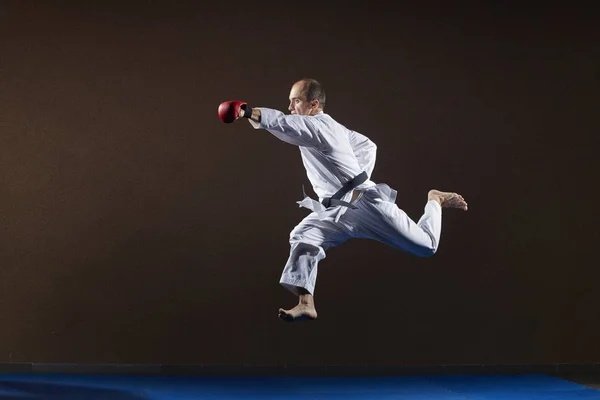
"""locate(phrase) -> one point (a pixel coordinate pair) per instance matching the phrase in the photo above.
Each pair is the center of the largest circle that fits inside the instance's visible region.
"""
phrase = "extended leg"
(385, 222)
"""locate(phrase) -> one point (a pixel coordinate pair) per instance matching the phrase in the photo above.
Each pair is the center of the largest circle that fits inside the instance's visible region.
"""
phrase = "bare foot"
(448, 199)
(298, 313)
(303, 311)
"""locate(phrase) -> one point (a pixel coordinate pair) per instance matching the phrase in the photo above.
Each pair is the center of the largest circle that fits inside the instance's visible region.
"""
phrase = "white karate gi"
(333, 155)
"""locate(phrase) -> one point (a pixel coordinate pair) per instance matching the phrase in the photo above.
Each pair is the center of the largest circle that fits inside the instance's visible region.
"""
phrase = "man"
(339, 163)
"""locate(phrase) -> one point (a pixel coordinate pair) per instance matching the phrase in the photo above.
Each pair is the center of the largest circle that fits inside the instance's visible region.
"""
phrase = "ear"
(315, 103)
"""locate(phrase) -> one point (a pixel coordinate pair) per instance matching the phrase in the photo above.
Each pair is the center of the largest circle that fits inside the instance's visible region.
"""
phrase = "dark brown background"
(137, 228)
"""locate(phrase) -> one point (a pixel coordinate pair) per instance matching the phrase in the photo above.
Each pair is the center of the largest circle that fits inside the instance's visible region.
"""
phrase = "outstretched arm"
(299, 130)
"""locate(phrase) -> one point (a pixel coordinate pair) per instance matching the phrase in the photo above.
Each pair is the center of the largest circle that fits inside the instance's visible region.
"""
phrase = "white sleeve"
(364, 150)
(299, 130)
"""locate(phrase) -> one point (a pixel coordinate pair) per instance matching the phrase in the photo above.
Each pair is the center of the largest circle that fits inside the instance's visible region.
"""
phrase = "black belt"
(350, 185)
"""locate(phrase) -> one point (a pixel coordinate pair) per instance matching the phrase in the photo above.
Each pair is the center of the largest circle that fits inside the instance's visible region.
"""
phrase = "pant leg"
(379, 219)
(309, 241)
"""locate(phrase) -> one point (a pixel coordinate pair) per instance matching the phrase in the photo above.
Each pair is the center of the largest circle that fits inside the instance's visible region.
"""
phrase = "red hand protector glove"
(229, 111)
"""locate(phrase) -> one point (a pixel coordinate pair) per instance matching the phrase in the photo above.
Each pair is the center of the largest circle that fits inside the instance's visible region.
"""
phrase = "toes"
(286, 317)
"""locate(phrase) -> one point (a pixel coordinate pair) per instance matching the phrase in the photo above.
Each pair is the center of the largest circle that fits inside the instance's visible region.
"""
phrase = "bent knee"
(300, 246)
(304, 239)
(426, 252)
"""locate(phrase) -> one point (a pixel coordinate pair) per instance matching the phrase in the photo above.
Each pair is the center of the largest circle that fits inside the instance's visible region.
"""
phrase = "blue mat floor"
(447, 387)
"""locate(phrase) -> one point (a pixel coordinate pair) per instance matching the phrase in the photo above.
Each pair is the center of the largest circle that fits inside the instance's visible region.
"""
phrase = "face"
(298, 103)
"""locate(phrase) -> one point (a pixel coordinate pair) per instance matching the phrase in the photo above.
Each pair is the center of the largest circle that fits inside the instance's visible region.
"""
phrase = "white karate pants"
(377, 218)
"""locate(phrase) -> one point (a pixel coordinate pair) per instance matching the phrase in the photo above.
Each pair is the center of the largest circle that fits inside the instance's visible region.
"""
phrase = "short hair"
(313, 90)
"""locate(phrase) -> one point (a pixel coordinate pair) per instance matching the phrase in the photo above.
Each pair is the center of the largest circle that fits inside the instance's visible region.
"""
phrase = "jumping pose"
(339, 163)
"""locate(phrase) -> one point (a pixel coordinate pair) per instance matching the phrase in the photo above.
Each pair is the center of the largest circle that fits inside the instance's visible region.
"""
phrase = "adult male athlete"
(338, 163)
